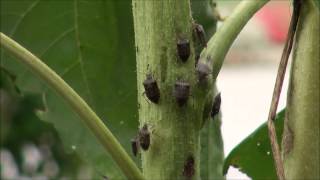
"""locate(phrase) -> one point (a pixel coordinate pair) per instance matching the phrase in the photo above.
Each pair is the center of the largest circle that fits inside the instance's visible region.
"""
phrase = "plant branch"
(277, 90)
(300, 140)
(92, 121)
(221, 41)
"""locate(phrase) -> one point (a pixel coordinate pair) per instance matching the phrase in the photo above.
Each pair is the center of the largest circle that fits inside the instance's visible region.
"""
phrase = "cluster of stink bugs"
(181, 92)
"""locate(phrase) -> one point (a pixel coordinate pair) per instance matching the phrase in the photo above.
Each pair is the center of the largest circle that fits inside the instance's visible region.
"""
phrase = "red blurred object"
(276, 18)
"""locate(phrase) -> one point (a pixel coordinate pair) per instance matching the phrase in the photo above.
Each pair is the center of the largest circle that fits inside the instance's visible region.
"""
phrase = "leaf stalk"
(89, 117)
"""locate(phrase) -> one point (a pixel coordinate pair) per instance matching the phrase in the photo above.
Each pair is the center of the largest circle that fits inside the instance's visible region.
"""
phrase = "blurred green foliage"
(20, 126)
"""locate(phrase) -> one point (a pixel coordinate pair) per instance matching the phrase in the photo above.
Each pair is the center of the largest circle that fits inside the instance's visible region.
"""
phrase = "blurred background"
(247, 79)
(31, 148)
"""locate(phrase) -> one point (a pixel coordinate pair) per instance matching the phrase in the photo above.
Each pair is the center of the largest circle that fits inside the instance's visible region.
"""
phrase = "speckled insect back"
(181, 92)
(144, 137)
(151, 89)
(183, 49)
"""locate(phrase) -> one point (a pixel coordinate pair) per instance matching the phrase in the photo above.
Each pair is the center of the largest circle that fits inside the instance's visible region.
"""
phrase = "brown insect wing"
(188, 170)
(134, 146)
(144, 138)
(181, 92)
(151, 89)
(183, 49)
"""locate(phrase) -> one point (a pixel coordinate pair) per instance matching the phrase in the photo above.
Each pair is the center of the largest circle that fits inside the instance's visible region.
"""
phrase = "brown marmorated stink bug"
(181, 92)
(216, 106)
(188, 169)
(203, 71)
(134, 146)
(151, 89)
(183, 49)
(197, 57)
(144, 137)
(141, 140)
(200, 34)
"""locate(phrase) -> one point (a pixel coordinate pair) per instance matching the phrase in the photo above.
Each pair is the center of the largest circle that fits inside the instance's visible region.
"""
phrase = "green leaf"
(90, 44)
(253, 155)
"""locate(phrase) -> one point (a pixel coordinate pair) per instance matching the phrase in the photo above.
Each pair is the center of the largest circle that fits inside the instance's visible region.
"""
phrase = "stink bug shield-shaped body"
(183, 49)
(216, 106)
(144, 137)
(134, 146)
(203, 71)
(188, 170)
(151, 89)
(141, 140)
(181, 92)
(200, 34)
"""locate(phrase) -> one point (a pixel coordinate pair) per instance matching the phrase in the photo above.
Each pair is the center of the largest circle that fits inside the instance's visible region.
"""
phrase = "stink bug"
(196, 60)
(183, 49)
(216, 106)
(144, 137)
(188, 170)
(134, 146)
(200, 34)
(203, 71)
(151, 89)
(181, 92)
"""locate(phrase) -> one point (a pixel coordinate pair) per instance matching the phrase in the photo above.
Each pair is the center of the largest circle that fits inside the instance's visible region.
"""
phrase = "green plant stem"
(88, 116)
(212, 153)
(221, 41)
(175, 136)
(301, 136)
(212, 150)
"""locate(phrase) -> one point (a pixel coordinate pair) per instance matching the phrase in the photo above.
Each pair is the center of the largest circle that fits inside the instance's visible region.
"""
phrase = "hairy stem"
(300, 143)
(92, 121)
(175, 129)
(220, 43)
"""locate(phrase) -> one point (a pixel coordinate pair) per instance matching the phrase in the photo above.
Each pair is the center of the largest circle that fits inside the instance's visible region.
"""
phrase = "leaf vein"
(77, 37)
(23, 15)
(56, 40)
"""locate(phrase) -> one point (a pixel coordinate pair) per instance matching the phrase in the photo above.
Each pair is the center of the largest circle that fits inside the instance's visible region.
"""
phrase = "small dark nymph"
(216, 106)
(188, 170)
(144, 137)
(183, 49)
(151, 89)
(181, 92)
(200, 34)
(203, 71)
